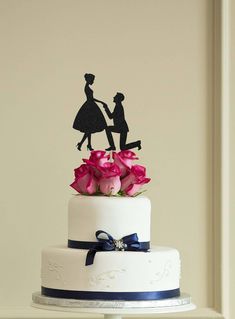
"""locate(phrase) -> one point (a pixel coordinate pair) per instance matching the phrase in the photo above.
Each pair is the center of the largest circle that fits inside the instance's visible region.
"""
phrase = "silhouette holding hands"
(89, 118)
(120, 125)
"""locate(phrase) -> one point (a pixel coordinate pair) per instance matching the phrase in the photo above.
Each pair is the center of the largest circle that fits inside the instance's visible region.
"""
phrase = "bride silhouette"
(89, 118)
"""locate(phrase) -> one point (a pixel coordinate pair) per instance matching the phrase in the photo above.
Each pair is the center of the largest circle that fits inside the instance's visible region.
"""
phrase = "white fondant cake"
(122, 274)
(113, 271)
(119, 216)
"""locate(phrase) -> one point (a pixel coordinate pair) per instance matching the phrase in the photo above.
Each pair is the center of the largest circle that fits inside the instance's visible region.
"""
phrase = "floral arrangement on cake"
(116, 175)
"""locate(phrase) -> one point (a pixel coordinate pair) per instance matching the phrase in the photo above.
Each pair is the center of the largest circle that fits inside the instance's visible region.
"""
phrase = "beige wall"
(232, 159)
(158, 52)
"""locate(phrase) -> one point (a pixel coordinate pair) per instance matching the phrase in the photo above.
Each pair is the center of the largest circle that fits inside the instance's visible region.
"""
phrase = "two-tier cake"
(108, 255)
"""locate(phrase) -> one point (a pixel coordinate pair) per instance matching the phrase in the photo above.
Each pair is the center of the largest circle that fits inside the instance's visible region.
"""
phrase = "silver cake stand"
(114, 309)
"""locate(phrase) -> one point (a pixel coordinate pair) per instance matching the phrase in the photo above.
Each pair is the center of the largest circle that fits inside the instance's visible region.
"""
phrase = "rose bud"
(109, 182)
(85, 181)
(124, 160)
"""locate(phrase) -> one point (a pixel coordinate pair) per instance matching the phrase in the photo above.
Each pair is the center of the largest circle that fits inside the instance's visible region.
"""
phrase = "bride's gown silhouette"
(89, 118)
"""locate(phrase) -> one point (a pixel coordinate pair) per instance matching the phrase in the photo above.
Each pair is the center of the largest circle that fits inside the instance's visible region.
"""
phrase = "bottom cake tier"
(115, 275)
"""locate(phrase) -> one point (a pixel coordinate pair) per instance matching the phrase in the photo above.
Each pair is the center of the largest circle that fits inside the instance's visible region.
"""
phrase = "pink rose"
(134, 180)
(109, 182)
(124, 160)
(85, 181)
(96, 160)
(110, 185)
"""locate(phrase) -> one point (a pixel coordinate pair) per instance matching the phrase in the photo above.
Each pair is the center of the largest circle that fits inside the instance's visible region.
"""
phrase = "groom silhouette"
(120, 125)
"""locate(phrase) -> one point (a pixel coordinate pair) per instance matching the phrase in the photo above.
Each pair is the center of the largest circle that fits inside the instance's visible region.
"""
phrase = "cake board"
(114, 309)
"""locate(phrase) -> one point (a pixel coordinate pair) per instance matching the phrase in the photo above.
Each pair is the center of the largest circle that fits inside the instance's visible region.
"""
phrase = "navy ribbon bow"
(107, 243)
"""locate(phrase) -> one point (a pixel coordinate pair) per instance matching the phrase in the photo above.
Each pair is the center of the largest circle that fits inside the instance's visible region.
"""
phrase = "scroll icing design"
(106, 278)
(57, 271)
(162, 274)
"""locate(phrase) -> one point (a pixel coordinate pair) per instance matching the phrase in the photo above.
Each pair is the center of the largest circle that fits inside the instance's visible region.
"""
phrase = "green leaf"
(139, 193)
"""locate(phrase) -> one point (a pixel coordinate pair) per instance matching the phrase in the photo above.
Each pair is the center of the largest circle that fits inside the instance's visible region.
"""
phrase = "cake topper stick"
(90, 119)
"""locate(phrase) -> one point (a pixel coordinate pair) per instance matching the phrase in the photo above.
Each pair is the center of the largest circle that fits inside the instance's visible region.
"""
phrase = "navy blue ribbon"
(107, 243)
(101, 295)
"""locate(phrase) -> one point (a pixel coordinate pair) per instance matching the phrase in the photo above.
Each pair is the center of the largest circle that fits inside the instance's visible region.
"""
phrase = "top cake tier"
(118, 216)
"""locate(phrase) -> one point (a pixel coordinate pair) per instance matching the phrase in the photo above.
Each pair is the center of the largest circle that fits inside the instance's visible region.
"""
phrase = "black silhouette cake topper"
(90, 120)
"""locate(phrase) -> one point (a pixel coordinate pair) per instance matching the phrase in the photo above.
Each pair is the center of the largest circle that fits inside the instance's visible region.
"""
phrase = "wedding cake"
(108, 255)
